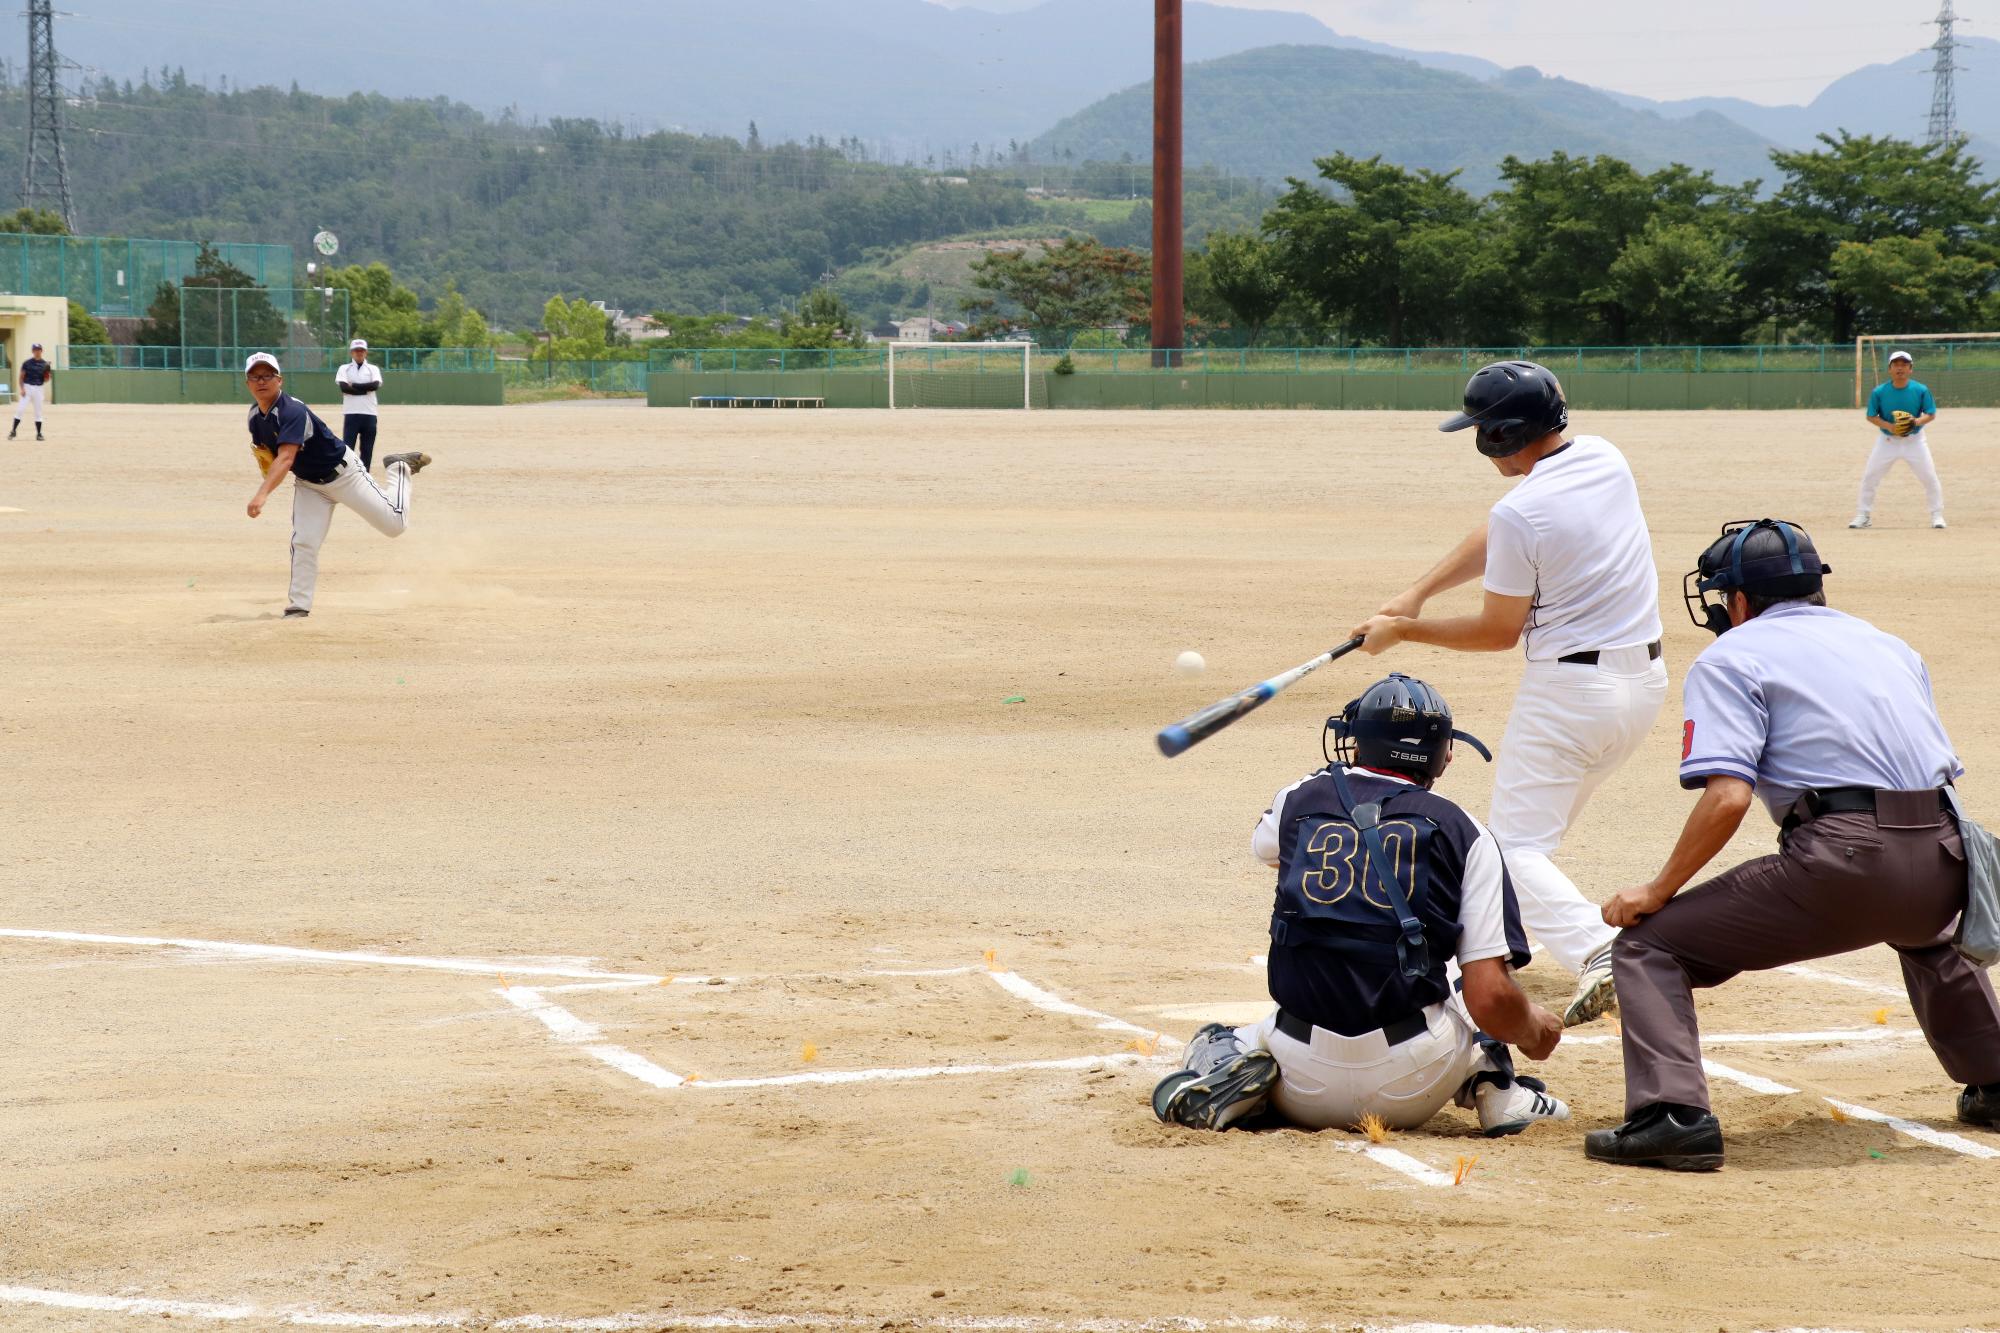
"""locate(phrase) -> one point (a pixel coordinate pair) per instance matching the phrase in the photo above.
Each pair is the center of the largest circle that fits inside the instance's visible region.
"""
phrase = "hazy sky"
(1773, 51)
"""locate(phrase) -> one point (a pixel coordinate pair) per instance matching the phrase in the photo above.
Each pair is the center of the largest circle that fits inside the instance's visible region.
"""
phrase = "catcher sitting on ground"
(1380, 884)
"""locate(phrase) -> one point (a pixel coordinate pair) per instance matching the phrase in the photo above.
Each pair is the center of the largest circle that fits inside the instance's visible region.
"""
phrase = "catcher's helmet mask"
(1398, 723)
(1783, 564)
(1514, 404)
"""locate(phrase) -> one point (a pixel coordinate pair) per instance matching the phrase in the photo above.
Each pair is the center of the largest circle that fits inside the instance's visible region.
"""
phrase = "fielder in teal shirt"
(1900, 409)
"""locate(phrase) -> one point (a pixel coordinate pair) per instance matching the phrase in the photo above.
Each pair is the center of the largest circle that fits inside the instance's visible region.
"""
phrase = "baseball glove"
(264, 459)
(1903, 422)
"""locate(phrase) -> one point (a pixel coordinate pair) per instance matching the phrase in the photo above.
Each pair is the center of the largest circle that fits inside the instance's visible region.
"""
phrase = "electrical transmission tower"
(45, 179)
(1944, 102)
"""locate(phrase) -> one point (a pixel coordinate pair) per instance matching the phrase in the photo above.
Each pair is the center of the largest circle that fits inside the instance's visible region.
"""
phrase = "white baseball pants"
(31, 393)
(387, 511)
(1333, 1081)
(1890, 450)
(1571, 727)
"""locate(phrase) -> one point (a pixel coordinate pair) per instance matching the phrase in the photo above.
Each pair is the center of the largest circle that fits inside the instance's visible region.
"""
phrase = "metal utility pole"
(45, 178)
(1944, 101)
(1169, 323)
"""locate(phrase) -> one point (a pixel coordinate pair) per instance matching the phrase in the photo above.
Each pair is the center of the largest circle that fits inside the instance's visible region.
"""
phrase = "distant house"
(632, 327)
(923, 329)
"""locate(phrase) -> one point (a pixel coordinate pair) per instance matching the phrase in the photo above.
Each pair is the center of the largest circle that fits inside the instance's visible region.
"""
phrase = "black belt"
(1590, 658)
(1847, 801)
(1396, 1033)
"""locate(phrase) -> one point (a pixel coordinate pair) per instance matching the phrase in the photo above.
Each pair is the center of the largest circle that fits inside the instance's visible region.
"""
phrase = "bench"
(752, 400)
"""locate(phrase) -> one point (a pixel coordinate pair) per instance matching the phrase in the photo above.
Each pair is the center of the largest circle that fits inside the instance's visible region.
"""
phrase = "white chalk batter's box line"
(569, 1029)
(306, 1317)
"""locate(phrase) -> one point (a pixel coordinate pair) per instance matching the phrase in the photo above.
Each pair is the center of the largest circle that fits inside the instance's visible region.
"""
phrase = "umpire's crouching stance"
(1379, 883)
(1829, 721)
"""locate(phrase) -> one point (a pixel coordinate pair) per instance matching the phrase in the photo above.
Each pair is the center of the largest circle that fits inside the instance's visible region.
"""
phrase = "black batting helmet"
(1513, 403)
(1767, 556)
(1398, 723)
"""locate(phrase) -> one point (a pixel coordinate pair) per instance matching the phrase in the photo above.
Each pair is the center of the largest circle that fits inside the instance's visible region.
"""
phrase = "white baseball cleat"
(1937, 519)
(1511, 1109)
(1860, 521)
(1596, 993)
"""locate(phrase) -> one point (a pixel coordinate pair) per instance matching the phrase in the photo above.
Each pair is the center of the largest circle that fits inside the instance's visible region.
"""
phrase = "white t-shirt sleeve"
(1726, 724)
(1482, 903)
(1510, 555)
(1264, 841)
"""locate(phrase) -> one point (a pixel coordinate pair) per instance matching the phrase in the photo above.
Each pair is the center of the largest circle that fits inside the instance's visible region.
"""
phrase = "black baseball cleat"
(1980, 1105)
(1220, 1083)
(296, 613)
(1676, 1138)
(414, 462)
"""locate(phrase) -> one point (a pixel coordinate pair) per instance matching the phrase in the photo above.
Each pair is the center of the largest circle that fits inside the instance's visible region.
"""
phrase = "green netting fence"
(1311, 360)
(301, 360)
(119, 276)
(626, 375)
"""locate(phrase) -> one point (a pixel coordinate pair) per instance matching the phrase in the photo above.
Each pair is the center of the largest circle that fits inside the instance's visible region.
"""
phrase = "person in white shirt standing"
(1568, 562)
(359, 382)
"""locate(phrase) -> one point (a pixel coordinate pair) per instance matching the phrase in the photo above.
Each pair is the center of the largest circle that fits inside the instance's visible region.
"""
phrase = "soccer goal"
(963, 375)
(1931, 352)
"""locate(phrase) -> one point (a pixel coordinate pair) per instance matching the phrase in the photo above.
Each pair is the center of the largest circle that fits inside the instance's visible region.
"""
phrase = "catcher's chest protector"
(1330, 896)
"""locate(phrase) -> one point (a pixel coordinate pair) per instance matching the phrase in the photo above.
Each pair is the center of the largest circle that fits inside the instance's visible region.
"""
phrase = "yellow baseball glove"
(264, 458)
(1903, 423)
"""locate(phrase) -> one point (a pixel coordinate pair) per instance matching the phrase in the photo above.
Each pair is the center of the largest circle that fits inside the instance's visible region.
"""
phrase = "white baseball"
(1189, 663)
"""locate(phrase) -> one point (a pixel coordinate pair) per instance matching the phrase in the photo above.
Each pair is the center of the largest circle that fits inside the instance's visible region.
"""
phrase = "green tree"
(1911, 284)
(85, 329)
(1378, 261)
(1859, 189)
(1239, 271)
(34, 222)
(457, 323)
(224, 307)
(577, 330)
(381, 309)
(1679, 283)
(823, 320)
(1568, 220)
(1078, 283)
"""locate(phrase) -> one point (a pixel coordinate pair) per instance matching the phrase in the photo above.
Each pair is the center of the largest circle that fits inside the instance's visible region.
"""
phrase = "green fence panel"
(443, 388)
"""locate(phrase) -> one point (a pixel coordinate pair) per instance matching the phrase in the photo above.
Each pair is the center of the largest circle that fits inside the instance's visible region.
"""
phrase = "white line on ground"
(305, 1317)
(1852, 983)
(919, 1071)
(1832, 1037)
(570, 1029)
(1937, 1138)
(466, 966)
(1396, 1161)
(1021, 988)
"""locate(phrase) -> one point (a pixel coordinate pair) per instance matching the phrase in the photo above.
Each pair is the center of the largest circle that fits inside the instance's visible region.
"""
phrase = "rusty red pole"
(1169, 322)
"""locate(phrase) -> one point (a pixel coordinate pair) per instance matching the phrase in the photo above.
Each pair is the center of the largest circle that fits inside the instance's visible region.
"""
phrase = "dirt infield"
(667, 746)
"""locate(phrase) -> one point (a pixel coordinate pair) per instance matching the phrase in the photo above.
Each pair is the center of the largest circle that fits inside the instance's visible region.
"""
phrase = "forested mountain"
(512, 213)
(906, 75)
(1273, 112)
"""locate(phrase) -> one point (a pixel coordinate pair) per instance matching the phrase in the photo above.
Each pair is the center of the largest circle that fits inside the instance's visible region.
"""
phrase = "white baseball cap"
(262, 359)
(1900, 356)
(358, 345)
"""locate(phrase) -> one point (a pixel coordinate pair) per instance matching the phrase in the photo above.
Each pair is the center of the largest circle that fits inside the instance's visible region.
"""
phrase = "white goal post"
(928, 374)
(1869, 348)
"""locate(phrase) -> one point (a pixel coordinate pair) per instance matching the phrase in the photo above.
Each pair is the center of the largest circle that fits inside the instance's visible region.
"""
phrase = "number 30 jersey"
(1333, 928)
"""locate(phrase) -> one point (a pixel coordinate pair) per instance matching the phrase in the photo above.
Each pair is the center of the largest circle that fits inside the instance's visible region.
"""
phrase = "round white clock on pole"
(326, 243)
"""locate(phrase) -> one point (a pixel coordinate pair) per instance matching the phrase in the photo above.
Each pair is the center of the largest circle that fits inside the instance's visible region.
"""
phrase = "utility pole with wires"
(45, 178)
(1944, 100)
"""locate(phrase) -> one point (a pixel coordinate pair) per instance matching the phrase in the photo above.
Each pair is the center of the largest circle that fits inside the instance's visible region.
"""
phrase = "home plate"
(1236, 1013)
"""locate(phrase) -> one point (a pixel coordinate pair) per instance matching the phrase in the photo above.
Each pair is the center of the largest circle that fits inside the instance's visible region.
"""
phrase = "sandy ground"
(725, 695)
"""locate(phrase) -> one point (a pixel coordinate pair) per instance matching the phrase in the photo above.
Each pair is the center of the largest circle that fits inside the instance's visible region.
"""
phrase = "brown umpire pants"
(1840, 882)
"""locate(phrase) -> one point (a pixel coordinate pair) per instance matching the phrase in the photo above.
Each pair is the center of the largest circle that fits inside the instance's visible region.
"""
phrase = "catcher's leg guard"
(1218, 1084)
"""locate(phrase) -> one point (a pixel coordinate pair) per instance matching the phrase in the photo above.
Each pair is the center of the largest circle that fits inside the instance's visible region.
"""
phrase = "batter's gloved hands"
(1904, 423)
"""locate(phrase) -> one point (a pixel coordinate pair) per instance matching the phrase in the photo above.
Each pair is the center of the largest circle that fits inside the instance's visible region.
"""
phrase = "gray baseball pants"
(1838, 883)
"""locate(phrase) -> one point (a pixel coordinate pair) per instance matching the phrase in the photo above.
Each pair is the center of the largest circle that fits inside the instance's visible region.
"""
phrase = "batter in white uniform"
(1568, 562)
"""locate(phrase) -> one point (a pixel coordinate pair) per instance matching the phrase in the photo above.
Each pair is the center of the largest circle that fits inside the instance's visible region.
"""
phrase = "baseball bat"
(1191, 731)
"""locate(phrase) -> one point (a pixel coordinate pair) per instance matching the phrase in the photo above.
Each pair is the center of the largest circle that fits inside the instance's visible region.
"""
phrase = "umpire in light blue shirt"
(1830, 722)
